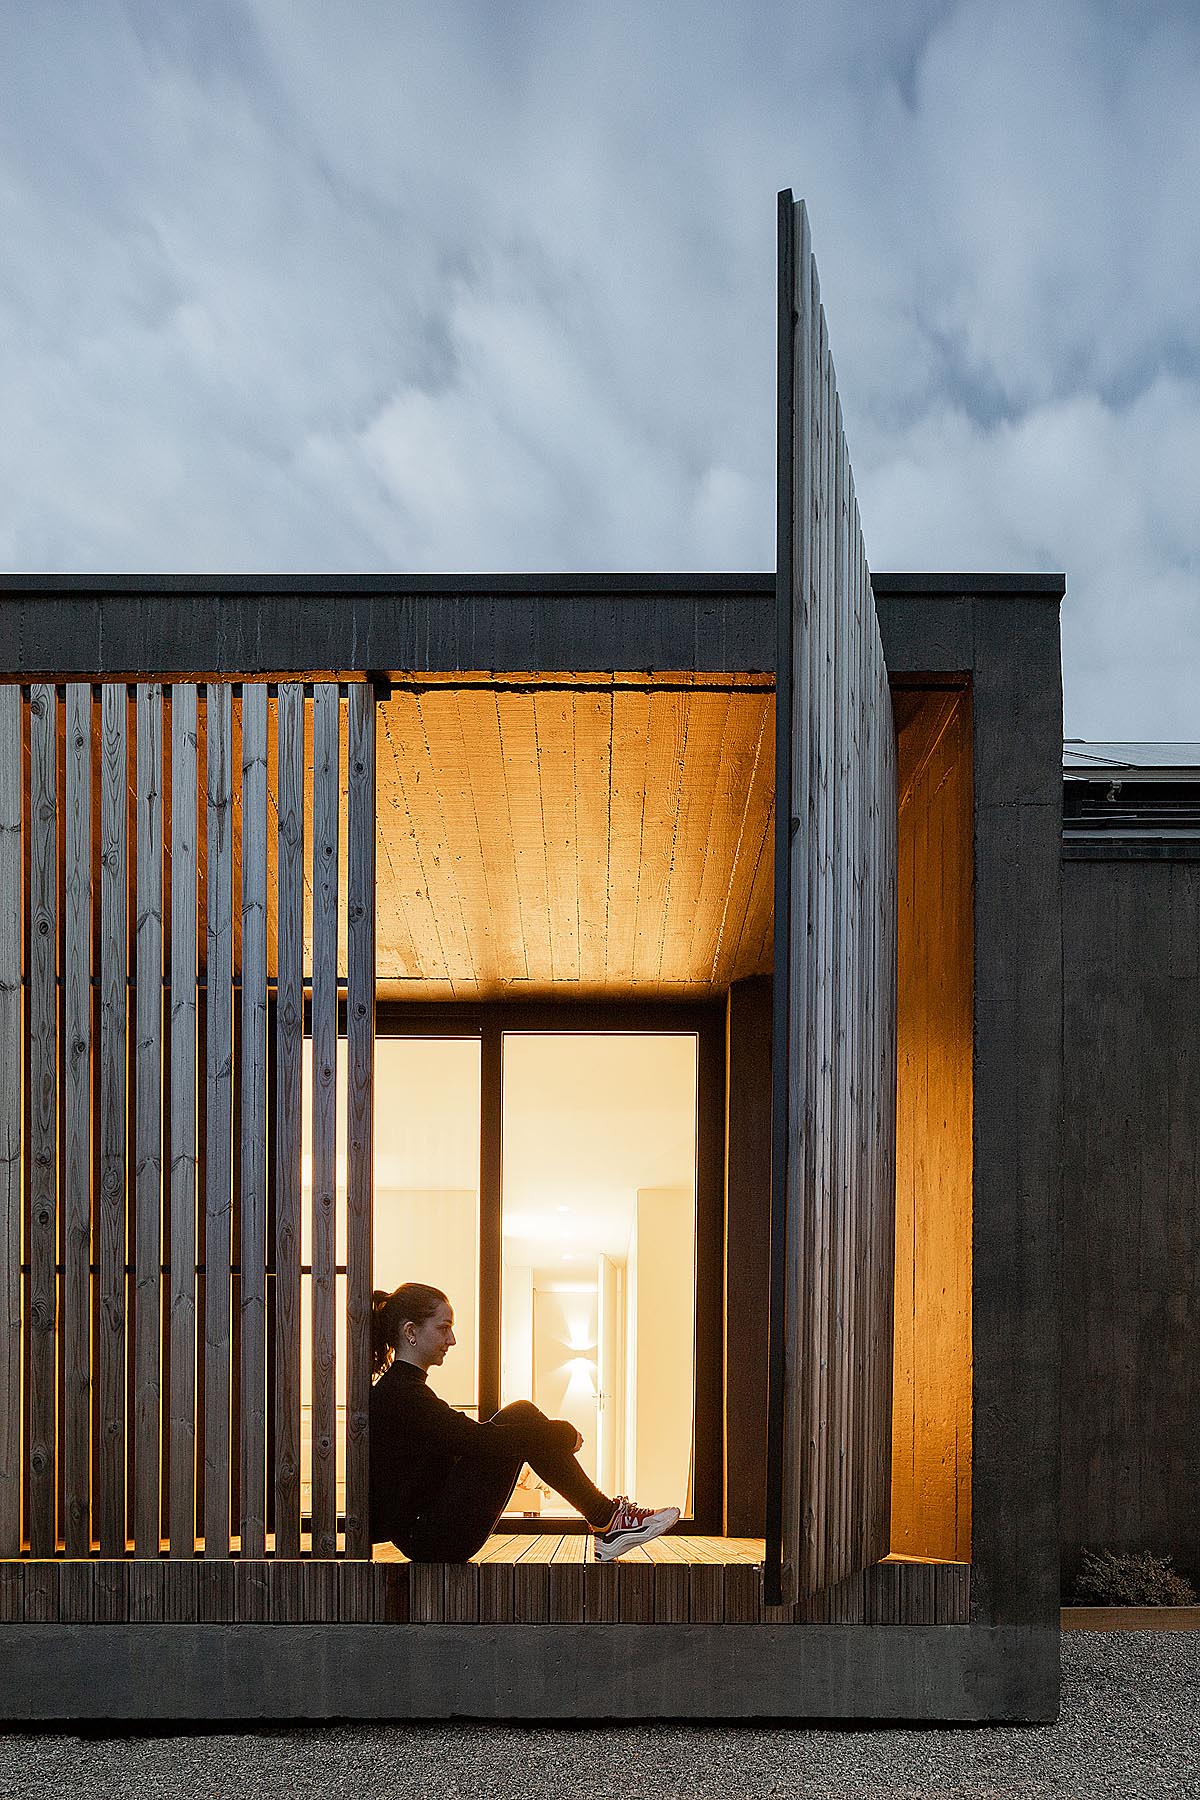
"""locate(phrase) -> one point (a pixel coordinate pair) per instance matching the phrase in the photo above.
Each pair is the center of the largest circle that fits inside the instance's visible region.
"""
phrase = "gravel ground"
(1130, 1726)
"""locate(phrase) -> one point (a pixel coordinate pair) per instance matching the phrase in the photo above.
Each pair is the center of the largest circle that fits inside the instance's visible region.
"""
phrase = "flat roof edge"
(523, 586)
(1048, 586)
(752, 585)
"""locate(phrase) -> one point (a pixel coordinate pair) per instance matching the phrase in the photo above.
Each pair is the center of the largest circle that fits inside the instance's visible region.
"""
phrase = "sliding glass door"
(562, 1187)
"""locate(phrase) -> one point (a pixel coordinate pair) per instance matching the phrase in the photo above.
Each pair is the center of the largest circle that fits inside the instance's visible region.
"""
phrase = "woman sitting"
(440, 1481)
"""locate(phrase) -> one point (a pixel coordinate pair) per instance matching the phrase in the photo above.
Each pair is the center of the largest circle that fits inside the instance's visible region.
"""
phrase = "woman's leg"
(541, 1449)
(465, 1513)
(470, 1505)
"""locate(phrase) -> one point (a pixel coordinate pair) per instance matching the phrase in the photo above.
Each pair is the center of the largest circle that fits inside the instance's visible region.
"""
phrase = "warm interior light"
(612, 1119)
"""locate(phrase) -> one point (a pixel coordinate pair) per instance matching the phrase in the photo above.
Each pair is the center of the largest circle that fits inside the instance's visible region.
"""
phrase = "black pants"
(462, 1517)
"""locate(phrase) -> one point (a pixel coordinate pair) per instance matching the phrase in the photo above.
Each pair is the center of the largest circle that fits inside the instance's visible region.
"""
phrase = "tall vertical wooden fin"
(113, 1099)
(218, 1151)
(289, 1052)
(147, 1166)
(10, 1119)
(252, 1256)
(360, 1049)
(833, 1175)
(326, 773)
(41, 1383)
(77, 1124)
(183, 1145)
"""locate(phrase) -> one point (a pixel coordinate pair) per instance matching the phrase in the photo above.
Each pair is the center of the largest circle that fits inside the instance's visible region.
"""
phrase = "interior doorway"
(598, 1285)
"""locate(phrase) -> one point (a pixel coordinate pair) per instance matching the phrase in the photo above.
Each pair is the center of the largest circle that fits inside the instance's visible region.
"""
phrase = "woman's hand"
(578, 1444)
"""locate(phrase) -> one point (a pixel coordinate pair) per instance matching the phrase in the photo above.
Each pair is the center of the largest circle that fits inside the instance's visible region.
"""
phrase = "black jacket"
(416, 1439)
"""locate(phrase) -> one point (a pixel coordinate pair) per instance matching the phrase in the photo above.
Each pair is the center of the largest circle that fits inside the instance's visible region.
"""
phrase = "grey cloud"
(289, 286)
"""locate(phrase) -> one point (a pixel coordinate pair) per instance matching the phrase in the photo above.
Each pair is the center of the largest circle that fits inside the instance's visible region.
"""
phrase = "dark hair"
(390, 1313)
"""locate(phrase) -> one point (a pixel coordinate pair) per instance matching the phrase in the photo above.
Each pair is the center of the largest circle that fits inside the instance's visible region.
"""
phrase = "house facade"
(675, 959)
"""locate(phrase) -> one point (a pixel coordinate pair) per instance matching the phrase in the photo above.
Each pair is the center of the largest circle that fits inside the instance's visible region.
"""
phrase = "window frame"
(489, 1021)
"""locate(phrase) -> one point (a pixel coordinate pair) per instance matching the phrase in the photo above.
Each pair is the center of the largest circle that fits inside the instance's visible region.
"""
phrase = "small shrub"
(1135, 1578)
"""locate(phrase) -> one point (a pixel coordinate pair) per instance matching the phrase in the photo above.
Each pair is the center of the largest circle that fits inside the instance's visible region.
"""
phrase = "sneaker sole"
(629, 1540)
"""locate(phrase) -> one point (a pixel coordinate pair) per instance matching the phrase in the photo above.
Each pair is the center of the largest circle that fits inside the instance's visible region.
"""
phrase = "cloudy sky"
(447, 285)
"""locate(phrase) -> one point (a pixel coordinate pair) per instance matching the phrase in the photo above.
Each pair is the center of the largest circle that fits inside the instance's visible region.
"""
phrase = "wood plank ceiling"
(575, 835)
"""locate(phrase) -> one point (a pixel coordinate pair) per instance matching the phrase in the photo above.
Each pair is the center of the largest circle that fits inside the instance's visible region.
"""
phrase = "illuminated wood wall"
(931, 1428)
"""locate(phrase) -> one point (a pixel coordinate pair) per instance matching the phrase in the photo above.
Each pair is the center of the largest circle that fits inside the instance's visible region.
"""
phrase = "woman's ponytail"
(412, 1302)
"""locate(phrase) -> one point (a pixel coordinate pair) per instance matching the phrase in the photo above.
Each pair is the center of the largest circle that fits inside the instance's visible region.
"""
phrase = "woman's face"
(428, 1343)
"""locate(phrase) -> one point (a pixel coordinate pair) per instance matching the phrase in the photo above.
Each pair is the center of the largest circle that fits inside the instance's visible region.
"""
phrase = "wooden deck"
(576, 1547)
(525, 1580)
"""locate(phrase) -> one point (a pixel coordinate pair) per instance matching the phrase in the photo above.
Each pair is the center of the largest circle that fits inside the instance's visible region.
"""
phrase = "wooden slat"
(181, 1506)
(218, 1146)
(674, 721)
(555, 728)
(10, 1119)
(706, 1594)
(252, 1583)
(114, 957)
(253, 1244)
(628, 762)
(288, 1115)
(326, 808)
(360, 1053)
(42, 1081)
(518, 743)
(147, 1155)
(77, 1123)
(146, 1587)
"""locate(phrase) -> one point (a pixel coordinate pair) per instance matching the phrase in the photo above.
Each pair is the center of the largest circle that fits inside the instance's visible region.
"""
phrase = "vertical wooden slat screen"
(43, 1124)
(218, 1146)
(144, 1144)
(289, 1004)
(11, 1105)
(147, 1163)
(324, 1113)
(184, 1157)
(77, 1119)
(833, 1179)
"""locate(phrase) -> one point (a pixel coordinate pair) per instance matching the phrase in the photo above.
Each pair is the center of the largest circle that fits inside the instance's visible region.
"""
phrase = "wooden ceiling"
(574, 836)
(545, 837)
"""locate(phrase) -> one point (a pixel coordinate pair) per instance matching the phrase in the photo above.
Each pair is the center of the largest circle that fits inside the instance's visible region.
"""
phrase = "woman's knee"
(520, 1412)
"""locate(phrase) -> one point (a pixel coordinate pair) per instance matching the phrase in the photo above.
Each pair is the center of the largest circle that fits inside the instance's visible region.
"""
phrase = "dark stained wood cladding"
(833, 1156)
(147, 827)
(530, 1580)
(573, 839)
(931, 1421)
(1131, 1234)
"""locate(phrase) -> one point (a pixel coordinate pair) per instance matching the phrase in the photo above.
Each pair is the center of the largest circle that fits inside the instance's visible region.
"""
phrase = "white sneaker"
(633, 1525)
